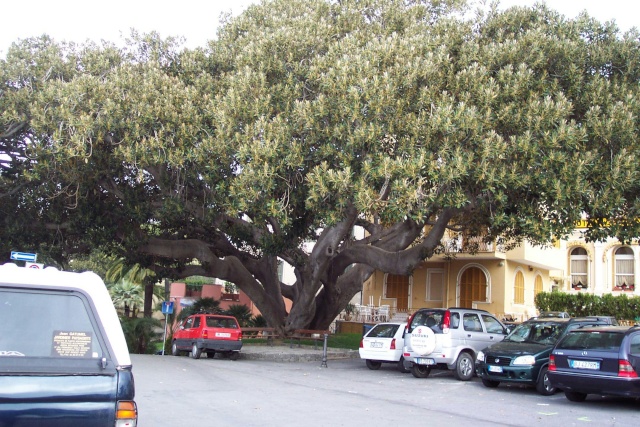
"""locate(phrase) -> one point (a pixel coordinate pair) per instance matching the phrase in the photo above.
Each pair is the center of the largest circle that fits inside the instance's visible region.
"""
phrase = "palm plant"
(141, 334)
(209, 305)
(120, 270)
(241, 312)
(127, 296)
(258, 321)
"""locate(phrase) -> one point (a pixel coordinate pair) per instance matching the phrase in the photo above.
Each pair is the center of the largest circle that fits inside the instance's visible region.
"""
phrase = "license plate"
(497, 369)
(376, 345)
(582, 364)
(425, 361)
(223, 334)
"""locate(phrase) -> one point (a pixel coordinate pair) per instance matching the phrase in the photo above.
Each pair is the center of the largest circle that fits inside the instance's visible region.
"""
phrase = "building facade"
(474, 274)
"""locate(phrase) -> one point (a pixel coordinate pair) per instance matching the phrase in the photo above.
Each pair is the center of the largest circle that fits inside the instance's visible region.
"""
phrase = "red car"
(209, 333)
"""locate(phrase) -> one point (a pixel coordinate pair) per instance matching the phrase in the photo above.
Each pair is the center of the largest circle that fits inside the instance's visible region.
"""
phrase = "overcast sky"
(196, 20)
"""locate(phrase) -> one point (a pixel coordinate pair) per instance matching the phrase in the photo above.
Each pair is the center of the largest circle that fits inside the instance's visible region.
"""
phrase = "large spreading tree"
(306, 119)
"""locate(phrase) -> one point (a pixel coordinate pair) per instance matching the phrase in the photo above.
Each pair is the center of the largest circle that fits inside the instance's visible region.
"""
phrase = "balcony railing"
(470, 245)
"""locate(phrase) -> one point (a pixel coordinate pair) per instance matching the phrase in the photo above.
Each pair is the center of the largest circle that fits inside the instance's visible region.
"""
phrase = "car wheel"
(490, 383)
(234, 355)
(464, 367)
(211, 354)
(195, 352)
(174, 349)
(575, 396)
(420, 371)
(543, 385)
(401, 366)
(373, 365)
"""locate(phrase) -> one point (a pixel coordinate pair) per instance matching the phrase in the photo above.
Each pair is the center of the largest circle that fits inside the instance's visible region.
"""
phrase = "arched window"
(579, 268)
(537, 286)
(518, 288)
(625, 273)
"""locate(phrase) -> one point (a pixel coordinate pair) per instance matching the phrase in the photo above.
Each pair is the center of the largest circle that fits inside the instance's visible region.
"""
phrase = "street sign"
(23, 256)
(167, 307)
(34, 265)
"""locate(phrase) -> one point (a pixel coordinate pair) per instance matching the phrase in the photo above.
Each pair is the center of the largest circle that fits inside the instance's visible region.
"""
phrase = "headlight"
(480, 357)
(524, 360)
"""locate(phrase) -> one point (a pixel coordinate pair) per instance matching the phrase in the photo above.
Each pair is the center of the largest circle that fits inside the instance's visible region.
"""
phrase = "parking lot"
(183, 391)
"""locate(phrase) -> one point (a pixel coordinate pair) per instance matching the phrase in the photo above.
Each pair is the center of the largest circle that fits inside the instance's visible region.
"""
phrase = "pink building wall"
(179, 293)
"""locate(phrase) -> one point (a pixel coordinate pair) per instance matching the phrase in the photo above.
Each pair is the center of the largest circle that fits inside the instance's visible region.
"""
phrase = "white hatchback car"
(383, 344)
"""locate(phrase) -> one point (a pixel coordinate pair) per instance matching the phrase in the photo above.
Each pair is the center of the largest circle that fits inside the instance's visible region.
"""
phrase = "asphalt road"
(180, 391)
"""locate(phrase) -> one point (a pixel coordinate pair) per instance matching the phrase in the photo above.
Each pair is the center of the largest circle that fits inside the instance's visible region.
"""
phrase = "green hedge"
(584, 304)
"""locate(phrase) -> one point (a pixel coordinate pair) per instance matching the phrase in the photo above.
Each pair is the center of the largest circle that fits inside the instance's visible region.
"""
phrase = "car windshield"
(537, 333)
(383, 331)
(591, 340)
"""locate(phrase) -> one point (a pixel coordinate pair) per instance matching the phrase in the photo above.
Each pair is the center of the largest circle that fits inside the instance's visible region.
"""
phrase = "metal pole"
(324, 352)
(164, 336)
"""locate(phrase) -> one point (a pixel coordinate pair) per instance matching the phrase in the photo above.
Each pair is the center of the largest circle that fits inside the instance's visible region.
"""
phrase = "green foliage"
(621, 307)
(347, 341)
(258, 321)
(97, 261)
(127, 296)
(142, 334)
(198, 281)
(241, 312)
(230, 288)
(350, 309)
(306, 115)
(201, 305)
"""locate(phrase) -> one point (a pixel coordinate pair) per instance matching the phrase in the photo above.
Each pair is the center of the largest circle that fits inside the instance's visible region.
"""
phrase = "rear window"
(591, 340)
(45, 331)
(221, 322)
(383, 331)
(434, 319)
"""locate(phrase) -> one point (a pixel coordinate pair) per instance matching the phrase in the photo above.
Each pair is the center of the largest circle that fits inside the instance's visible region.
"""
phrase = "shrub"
(141, 333)
(621, 307)
(240, 312)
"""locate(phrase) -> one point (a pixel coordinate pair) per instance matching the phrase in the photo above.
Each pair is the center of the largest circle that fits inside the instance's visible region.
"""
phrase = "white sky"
(79, 20)
(196, 20)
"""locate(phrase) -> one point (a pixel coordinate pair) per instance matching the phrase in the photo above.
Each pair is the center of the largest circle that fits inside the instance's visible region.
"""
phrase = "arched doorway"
(473, 287)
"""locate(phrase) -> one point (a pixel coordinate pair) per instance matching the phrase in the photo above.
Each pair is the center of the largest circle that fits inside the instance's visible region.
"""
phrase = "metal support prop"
(324, 352)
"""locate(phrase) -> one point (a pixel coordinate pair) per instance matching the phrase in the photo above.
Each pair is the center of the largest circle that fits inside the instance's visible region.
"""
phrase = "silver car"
(449, 338)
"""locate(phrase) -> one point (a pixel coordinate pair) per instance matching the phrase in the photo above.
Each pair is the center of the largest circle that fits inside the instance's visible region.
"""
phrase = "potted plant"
(348, 311)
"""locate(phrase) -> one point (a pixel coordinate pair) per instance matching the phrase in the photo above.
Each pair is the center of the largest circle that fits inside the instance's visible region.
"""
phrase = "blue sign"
(23, 256)
(167, 307)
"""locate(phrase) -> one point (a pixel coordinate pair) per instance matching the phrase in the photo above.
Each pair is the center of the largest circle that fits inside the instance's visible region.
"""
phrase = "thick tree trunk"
(148, 299)
(335, 298)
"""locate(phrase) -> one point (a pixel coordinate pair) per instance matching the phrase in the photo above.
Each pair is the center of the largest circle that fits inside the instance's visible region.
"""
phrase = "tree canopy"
(304, 119)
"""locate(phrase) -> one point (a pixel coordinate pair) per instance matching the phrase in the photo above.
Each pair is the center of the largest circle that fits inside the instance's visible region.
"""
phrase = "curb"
(297, 354)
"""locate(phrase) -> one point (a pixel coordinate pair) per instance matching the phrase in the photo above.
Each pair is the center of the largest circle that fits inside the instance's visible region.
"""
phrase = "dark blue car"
(63, 357)
(523, 356)
(603, 361)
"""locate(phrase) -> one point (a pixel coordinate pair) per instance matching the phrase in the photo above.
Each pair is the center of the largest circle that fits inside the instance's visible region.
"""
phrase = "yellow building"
(506, 282)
